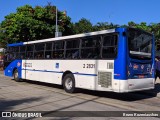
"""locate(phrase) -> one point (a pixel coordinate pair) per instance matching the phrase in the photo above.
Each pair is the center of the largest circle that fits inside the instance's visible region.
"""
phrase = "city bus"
(119, 60)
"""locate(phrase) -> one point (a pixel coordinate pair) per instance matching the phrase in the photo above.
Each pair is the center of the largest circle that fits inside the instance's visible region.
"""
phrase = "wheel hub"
(68, 83)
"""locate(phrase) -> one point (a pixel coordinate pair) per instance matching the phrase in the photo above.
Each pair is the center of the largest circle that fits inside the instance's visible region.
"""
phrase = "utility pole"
(56, 21)
(57, 33)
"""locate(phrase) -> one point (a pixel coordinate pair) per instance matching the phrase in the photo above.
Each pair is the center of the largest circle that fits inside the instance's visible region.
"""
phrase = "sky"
(116, 11)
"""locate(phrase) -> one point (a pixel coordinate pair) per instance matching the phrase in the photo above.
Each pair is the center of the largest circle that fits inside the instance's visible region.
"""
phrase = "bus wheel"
(69, 83)
(15, 75)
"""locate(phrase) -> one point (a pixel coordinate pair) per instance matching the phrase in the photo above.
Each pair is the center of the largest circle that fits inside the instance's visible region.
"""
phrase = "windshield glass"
(140, 44)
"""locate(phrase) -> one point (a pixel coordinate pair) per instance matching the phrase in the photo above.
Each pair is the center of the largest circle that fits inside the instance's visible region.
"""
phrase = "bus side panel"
(51, 71)
(41, 70)
(30, 70)
(16, 64)
(104, 69)
(85, 72)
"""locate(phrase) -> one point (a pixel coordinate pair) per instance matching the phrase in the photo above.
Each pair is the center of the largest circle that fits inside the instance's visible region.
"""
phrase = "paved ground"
(35, 96)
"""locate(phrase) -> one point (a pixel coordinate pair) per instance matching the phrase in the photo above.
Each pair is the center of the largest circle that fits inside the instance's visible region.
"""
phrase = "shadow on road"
(131, 96)
(153, 92)
(10, 104)
(43, 84)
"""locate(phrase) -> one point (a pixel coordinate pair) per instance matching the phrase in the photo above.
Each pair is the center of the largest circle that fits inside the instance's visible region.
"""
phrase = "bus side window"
(58, 54)
(72, 48)
(22, 52)
(39, 51)
(91, 47)
(109, 49)
(48, 50)
(48, 54)
(29, 55)
(58, 49)
(75, 54)
(13, 53)
(29, 51)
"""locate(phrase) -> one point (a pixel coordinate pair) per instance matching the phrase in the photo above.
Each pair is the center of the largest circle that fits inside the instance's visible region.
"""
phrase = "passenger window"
(58, 45)
(58, 50)
(110, 46)
(48, 50)
(110, 40)
(91, 47)
(30, 47)
(48, 54)
(39, 51)
(49, 46)
(72, 54)
(58, 54)
(39, 47)
(72, 49)
(72, 44)
(29, 55)
(39, 55)
(22, 48)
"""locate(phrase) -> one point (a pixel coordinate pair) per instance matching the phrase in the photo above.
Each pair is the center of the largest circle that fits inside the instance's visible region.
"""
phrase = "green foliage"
(104, 26)
(83, 26)
(30, 23)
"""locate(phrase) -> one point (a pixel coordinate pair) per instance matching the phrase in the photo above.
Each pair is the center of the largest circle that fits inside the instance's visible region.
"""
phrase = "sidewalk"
(1, 72)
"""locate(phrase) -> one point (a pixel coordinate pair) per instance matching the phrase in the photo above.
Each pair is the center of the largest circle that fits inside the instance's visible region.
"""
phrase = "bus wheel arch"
(68, 82)
(16, 75)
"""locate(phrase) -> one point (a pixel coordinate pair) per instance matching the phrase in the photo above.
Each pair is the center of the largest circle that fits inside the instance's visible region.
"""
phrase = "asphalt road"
(47, 98)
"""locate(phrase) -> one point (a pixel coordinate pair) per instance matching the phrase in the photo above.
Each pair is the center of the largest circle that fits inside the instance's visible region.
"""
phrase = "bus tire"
(69, 83)
(15, 75)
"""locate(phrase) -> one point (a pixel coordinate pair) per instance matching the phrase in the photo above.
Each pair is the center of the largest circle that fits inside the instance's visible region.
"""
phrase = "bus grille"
(105, 79)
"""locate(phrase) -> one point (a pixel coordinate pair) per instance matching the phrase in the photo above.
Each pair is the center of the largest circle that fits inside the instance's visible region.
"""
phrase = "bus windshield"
(139, 44)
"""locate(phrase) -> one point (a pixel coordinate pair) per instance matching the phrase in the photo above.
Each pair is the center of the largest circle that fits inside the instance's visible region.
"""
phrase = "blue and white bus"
(118, 60)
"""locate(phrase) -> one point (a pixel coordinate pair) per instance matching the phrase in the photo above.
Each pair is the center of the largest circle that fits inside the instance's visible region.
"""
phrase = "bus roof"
(64, 37)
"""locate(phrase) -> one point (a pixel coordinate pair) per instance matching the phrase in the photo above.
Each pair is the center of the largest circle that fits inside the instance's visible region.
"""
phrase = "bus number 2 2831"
(88, 65)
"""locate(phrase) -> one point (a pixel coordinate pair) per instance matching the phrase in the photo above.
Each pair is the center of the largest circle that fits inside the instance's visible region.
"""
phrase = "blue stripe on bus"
(15, 44)
(85, 74)
(60, 72)
(42, 70)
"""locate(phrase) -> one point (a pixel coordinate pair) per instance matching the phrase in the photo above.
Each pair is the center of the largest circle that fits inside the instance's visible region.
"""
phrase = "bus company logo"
(149, 65)
(27, 64)
(130, 65)
(57, 65)
(135, 67)
(142, 67)
(18, 64)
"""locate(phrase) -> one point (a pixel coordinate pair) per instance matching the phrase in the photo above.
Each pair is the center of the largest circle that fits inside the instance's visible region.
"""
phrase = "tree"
(83, 26)
(131, 24)
(30, 23)
(104, 26)
(155, 29)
